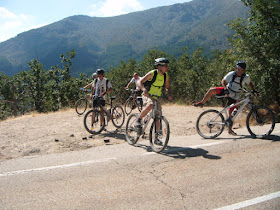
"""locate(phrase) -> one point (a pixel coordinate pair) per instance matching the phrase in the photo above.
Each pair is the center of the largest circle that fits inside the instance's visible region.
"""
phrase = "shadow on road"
(186, 152)
(182, 152)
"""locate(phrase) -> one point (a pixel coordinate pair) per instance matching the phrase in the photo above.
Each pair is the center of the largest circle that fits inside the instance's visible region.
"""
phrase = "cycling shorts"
(221, 92)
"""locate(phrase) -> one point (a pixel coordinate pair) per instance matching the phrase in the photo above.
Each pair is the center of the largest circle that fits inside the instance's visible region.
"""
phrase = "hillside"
(103, 42)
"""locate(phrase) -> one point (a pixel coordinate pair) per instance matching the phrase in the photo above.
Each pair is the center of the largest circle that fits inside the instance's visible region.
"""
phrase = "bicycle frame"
(152, 115)
(244, 103)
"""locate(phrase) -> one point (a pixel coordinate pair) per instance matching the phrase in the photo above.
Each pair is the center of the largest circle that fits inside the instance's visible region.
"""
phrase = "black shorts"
(97, 102)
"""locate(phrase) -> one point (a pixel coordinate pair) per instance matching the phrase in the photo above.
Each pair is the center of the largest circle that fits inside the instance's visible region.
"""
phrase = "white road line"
(89, 162)
(251, 202)
(56, 167)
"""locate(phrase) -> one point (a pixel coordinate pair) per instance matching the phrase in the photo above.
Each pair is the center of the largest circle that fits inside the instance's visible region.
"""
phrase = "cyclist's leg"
(148, 106)
(209, 94)
(102, 103)
(230, 110)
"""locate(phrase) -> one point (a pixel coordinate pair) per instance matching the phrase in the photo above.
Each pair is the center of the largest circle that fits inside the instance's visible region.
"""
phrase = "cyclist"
(232, 85)
(134, 79)
(100, 87)
(152, 83)
(94, 75)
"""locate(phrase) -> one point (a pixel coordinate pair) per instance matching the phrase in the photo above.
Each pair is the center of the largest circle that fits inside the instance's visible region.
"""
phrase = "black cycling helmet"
(100, 71)
(94, 75)
(241, 64)
(161, 61)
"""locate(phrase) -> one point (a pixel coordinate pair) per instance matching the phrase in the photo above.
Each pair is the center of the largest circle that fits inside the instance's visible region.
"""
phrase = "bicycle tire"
(162, 136)
(93, 125)
(81, 106)
(128, 106)
(209, 130)
(260, 122)
(118, 116)
(131, 132)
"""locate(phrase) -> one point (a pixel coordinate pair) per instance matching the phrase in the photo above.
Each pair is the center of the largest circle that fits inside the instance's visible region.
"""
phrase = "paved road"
(194, 173)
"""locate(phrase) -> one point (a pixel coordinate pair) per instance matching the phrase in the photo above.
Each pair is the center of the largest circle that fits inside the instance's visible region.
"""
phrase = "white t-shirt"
(135, 81)
(234, 88)
(100, 86)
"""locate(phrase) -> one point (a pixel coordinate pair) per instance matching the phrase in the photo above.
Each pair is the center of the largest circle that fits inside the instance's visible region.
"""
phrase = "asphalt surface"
(193, 173)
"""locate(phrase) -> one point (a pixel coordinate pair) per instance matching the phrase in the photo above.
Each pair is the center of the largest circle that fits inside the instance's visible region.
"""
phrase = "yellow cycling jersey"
(156, 87)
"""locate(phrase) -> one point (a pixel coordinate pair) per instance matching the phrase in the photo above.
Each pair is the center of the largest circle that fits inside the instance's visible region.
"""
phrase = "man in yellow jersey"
(156, 79)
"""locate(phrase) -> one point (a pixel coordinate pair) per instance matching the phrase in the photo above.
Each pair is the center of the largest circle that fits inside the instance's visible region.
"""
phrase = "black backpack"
(149, 83)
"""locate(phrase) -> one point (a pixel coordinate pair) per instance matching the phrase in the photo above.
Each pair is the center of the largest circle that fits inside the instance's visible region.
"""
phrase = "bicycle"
(95, 121)
(158, 137)
(260, 120)
(82, 103)
(131, 103)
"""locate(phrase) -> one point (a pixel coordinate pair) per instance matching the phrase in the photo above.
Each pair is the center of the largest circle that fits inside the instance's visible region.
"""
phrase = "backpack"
(233, 78)
(149, 83)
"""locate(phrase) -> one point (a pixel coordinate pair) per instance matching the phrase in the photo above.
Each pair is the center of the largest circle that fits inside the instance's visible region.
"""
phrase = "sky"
(17, 16)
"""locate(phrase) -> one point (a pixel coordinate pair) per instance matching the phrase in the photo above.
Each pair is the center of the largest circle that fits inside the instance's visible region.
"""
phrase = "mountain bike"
(260, 120)
(131, 103)
(95, 120)
(159, 130)
(83, 102)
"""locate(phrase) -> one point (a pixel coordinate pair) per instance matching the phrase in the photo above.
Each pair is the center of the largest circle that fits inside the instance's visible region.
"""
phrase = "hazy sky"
(17, 16)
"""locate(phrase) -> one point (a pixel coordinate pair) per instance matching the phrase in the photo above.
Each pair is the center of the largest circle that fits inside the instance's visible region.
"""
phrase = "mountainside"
(103, 42)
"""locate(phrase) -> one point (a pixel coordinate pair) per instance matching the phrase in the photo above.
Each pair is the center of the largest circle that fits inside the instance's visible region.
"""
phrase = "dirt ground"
(37, 134)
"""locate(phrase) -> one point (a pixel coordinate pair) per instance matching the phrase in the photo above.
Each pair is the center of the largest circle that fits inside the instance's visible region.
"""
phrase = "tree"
(257, 40)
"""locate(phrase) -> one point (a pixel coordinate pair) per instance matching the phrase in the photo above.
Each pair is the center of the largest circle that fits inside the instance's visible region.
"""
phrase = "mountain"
(103, 42)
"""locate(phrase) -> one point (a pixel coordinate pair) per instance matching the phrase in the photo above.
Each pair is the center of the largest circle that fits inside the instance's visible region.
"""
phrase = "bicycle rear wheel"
(131, 131)
(118, 116)
(92, 121)
(128, 106)
(260, 122)
(210, 124)
(81, 106)
(159, 137)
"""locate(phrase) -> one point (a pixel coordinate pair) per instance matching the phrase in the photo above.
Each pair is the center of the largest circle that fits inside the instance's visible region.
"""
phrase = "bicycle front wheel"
(131, 130)
(128, 106)
(118, 116)
(260, 122)
(159, 134)
(210, 124)
(81, 106)
(94, 121)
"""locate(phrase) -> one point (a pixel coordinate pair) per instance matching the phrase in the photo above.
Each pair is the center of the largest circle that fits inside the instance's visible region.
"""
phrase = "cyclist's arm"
(88, 85)
(224, 84)
(167, 86)
(140, 82)
(128, 85)
(108, 91)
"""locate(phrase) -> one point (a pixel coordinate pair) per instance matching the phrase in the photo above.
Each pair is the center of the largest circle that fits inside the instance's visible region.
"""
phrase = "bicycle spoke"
(159, 134)
(131, 132)
(118, 116)
(210, 124)
(94, 121)
(260, 122)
